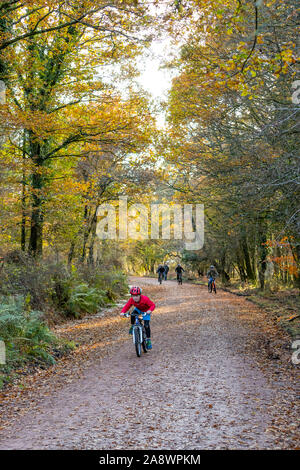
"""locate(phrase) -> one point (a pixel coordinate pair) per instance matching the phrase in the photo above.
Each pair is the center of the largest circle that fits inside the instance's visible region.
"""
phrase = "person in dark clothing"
(160, 270)
(166, 271)
(179, 270)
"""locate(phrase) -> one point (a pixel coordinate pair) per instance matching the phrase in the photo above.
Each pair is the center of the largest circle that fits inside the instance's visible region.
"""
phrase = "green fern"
(85, 299)
(24, 333)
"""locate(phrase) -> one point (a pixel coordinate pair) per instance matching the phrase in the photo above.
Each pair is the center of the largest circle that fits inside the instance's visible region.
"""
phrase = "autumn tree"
(233, 133)
(59, 106)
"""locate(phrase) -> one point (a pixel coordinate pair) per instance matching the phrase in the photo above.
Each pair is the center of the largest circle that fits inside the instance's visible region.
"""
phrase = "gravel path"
(208, 383)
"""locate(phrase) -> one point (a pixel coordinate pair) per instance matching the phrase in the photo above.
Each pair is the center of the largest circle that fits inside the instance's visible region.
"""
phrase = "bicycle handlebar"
(127, 314)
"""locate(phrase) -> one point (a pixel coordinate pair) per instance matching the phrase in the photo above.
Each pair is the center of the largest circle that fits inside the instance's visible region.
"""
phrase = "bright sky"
(153, 79)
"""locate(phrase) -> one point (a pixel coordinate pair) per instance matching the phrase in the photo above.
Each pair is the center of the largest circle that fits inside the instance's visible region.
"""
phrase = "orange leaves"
(285, 260)
(287, 263)
(283, 242)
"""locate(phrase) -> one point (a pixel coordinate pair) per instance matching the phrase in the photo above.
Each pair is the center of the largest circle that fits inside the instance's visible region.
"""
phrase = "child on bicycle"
(143, 305)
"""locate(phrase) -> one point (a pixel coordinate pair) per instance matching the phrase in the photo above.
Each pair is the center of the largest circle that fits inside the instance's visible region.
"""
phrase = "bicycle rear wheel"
(144, 346)
(144, 340)
(138, 349)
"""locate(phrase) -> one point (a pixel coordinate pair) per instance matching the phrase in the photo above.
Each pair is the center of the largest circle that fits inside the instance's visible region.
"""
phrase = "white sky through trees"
(155, 79)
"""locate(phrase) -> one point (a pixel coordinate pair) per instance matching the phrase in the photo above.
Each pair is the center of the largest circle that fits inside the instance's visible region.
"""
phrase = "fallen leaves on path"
(219, 376)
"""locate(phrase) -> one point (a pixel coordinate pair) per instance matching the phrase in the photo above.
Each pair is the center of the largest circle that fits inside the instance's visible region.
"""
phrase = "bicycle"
(138, 334)
(179, 278)
(212, 285)
(160, 277)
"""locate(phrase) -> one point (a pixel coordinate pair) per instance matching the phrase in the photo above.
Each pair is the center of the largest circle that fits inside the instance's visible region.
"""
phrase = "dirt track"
(210, 382)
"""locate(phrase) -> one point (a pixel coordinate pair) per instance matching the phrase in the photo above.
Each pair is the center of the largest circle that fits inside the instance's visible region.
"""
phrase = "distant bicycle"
(212, 285)
(160, 277)
(138, 334)
(179, 270)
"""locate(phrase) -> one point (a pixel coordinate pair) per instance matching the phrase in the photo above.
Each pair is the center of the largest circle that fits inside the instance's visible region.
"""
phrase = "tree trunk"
(91, 247)
(37, 219)
(240, 266)
(88, 226)
(224, 275)
(248, 266)
(71, 253)
(23, 221)
(23, 199)
(262, 250)
(295, 248)
(37, 212)
(242, 272)
(85, 233)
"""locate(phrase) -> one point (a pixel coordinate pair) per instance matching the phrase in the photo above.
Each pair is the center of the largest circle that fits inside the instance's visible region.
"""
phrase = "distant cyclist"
(161, 271)
(166, 271)
(212, 273)
(179, 270)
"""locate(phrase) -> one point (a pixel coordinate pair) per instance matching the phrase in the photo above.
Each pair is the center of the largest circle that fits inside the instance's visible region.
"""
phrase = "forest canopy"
(78, 131)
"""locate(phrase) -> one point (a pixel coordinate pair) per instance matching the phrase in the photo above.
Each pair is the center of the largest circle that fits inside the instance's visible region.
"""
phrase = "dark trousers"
(146, 324)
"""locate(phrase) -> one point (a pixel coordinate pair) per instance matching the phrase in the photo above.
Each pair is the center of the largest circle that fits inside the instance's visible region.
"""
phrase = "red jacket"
(144, 304)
